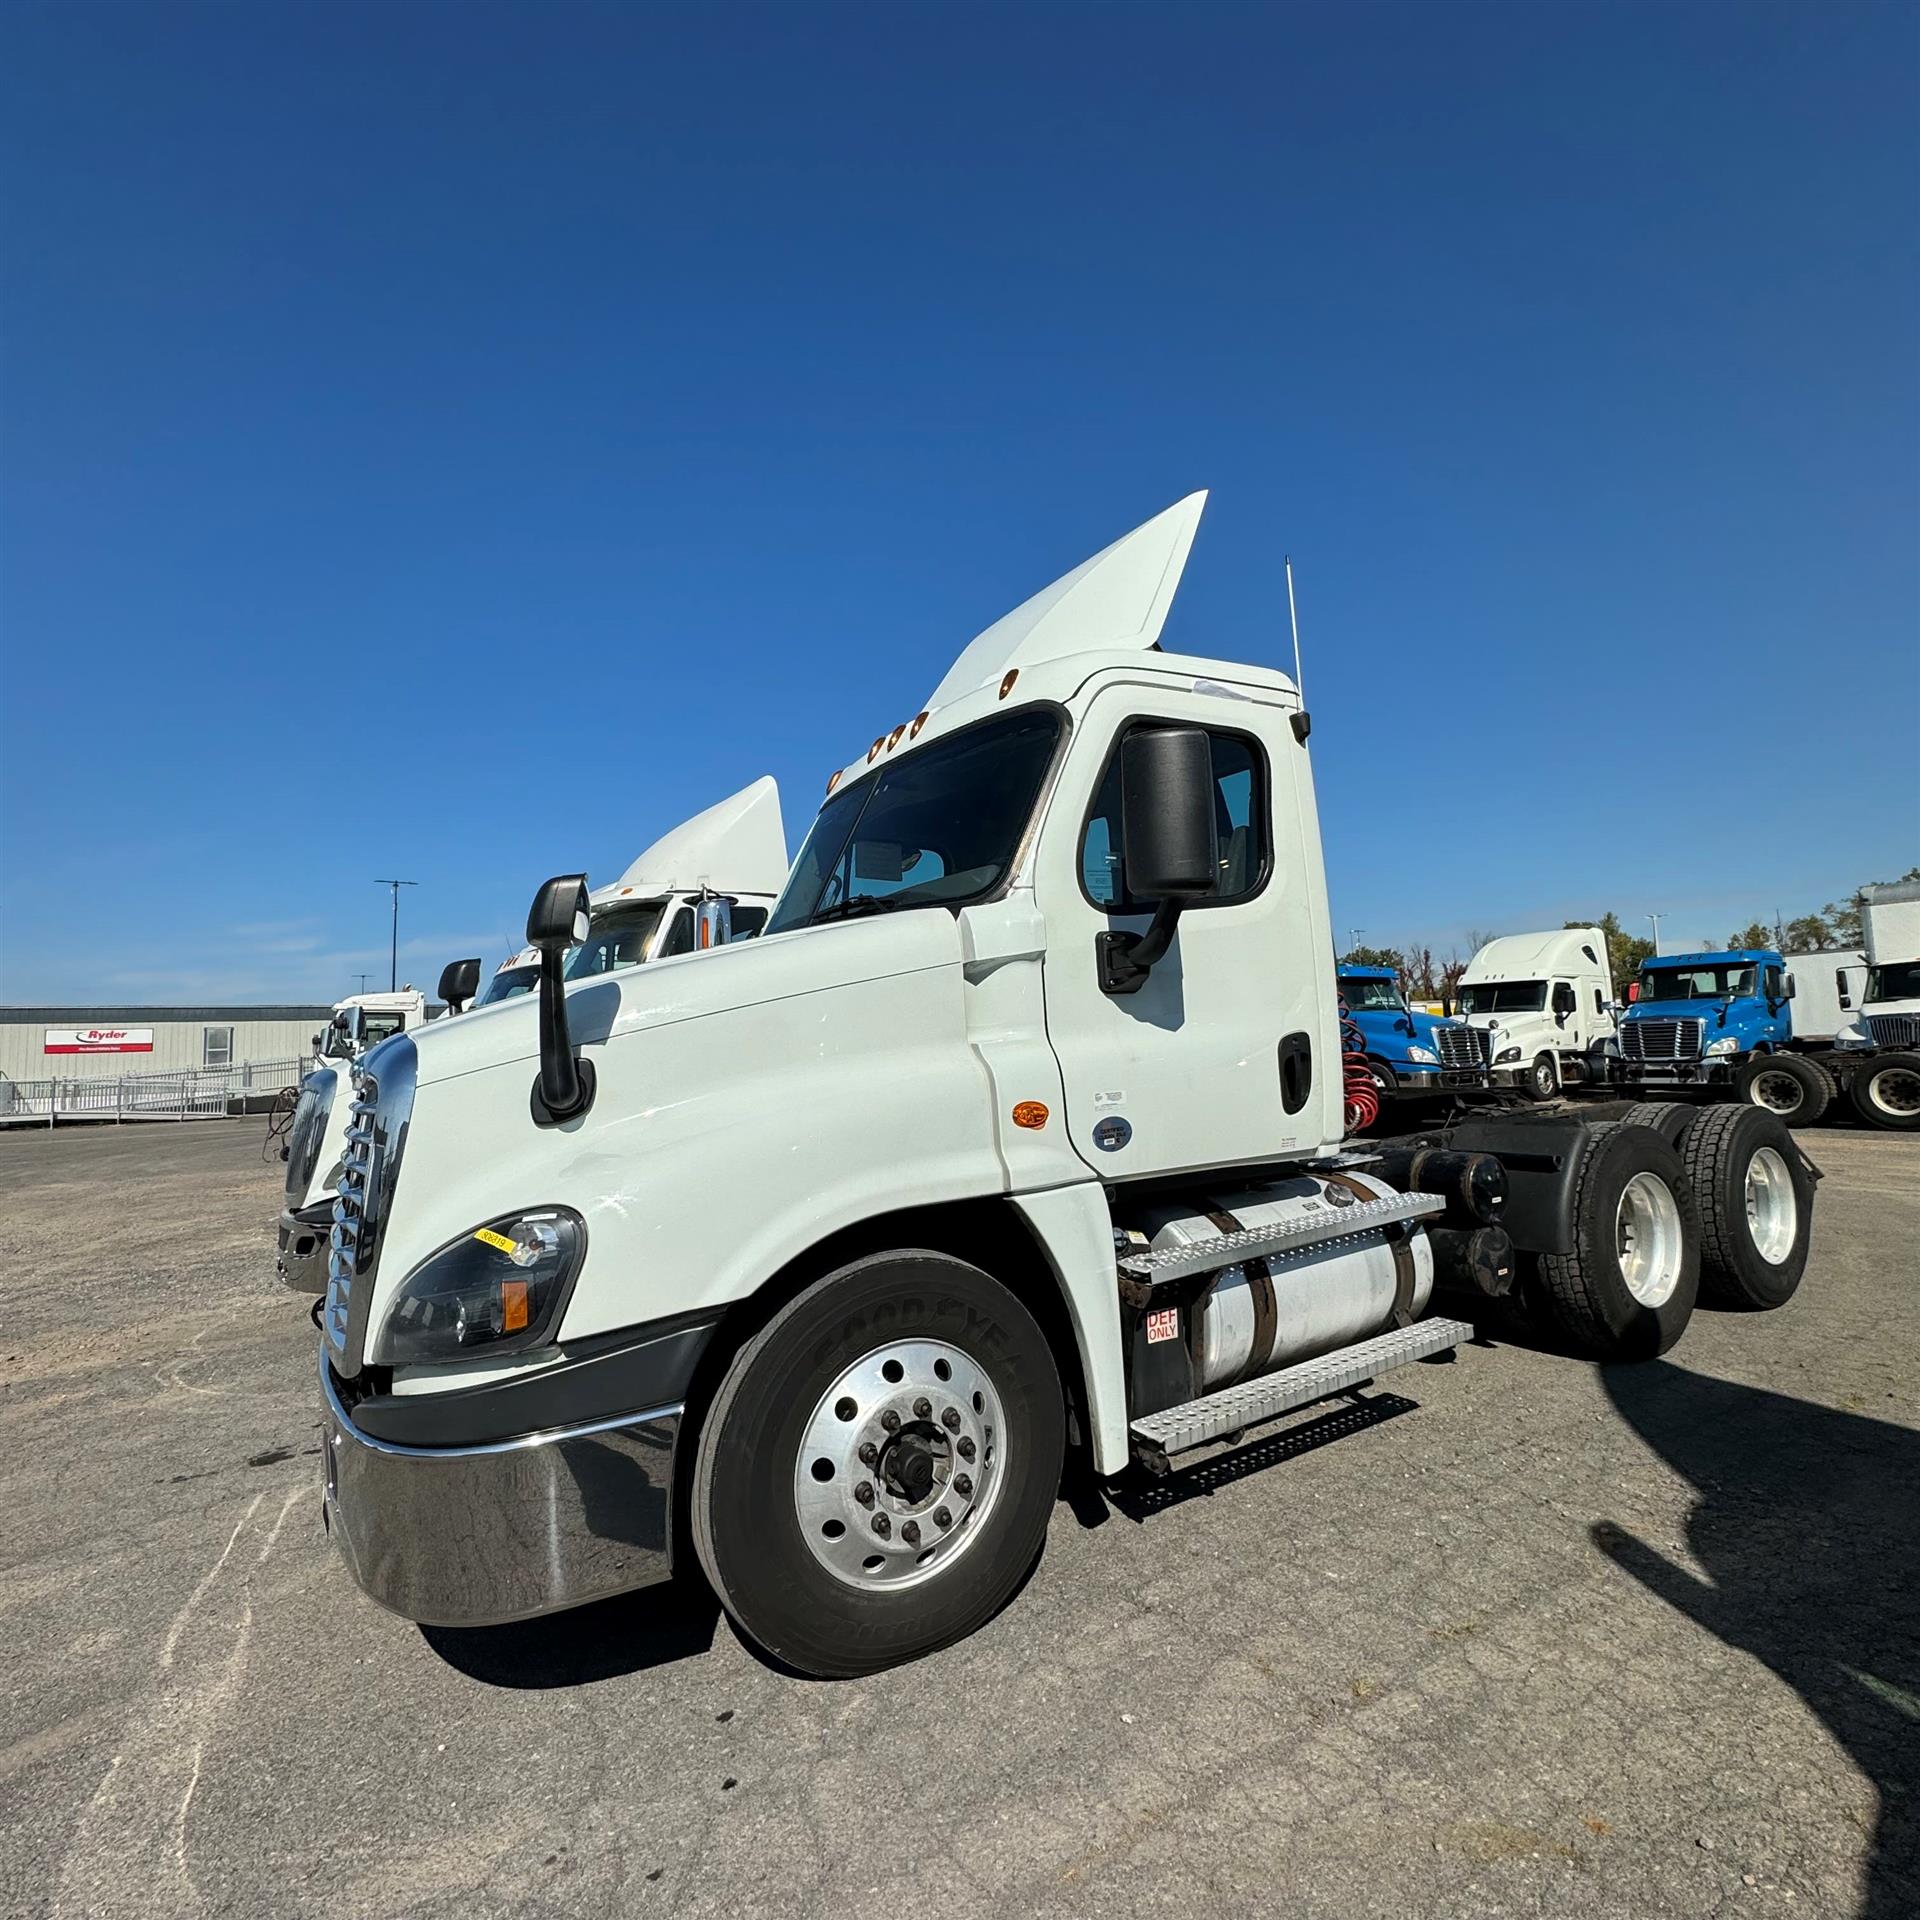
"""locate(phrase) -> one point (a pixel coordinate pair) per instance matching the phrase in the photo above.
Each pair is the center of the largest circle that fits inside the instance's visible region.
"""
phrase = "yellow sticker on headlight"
(492, 1239)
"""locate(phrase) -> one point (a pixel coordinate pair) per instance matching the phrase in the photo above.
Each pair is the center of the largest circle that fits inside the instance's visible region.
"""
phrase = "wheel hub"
(1896, 1090)
(1773, 1215)
(1647, 1239)
(1779, 1092)
(899, 1463)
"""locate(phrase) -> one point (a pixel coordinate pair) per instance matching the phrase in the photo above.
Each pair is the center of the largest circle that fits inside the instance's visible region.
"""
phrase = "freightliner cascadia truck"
(1541, 1005)
(1019, 1128)
(1408, 1051)
(711, 879)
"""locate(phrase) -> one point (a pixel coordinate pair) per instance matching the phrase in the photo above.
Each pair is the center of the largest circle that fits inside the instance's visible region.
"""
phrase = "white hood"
(738, 845)
(1119, 598)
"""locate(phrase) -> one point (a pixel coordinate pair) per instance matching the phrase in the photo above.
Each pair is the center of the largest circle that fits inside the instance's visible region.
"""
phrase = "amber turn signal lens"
(513, 1305)
(1030, 1113)
(1006, 685)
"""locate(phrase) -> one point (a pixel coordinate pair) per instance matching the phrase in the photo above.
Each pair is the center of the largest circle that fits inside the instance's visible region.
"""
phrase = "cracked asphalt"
(1520, 1636)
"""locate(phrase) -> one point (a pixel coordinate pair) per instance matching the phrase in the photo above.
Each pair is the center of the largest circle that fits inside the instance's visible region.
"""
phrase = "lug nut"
(882, 1525)
(910, 1533)
(923, 1408)
(965, 1449)
(869, 1454)
(951, 1419)
(942, 1518)
(963, 1485)
(864, 1493)
(890, 1420)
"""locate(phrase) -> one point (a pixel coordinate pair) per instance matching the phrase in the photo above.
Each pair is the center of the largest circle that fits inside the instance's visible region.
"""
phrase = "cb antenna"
(1303, 720)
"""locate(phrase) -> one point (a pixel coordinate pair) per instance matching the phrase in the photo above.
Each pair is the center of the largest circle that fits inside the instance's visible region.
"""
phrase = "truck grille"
(1894, 1029)
(1660, 1039)
(1458, 1047)
(377, 1122)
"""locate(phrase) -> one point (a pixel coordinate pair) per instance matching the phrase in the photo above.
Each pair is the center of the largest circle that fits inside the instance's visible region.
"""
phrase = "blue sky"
(458, 441)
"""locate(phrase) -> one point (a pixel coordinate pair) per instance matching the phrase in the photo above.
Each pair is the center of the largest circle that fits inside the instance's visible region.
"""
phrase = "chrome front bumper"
(473, 1536)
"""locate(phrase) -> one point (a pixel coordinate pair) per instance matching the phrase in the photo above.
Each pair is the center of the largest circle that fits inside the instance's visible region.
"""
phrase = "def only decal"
(1111, 1133)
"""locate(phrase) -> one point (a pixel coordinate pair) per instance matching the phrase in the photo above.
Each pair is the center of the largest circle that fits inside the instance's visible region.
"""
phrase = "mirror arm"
(565, 1086)
(1127, 958)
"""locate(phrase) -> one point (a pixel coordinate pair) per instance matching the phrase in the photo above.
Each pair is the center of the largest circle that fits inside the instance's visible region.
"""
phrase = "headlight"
(1505, 1054)
(1424, 1055)
(1727, 1045)
(494, 1290)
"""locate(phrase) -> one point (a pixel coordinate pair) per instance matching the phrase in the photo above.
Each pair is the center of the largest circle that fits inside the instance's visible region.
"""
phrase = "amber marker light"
(893, 739)
(1030, 1113)
(879, 741)
(833, 779)
(919, 721)
(1006, 685)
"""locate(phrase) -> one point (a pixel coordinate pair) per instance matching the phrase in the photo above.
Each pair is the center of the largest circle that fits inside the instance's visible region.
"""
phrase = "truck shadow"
(608, 1640)
(1808, 1523)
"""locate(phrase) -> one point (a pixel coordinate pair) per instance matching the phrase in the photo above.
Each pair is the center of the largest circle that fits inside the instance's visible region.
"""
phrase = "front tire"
(1886, 1091)
(1627, 1290)
(1384, 1076)
(1756, 1206)
(876, 1473)
(1542, 1079)
(1793, 1090)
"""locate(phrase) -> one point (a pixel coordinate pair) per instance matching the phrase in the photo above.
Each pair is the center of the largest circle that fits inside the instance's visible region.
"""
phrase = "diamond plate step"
(1250, 1243)
(1157, 1437)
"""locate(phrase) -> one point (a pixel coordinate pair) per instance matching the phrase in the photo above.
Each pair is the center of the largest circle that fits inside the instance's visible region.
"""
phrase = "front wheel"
(876, 1473)
(1542, 1082)
(1886, 1091)
(1782, 1084)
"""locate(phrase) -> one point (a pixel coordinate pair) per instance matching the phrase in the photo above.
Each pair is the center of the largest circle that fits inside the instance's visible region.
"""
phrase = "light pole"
(1656, 918)
(362, 978)
(1353, 938)
(393, 951)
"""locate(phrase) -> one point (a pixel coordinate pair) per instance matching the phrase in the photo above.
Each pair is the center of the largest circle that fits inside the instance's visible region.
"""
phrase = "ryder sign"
(99, 1040)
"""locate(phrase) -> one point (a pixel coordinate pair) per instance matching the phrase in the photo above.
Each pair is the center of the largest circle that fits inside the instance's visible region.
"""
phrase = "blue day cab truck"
(1408, 1051)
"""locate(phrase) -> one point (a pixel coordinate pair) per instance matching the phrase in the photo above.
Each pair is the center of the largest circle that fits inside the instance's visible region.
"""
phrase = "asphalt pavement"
(1520, 1636)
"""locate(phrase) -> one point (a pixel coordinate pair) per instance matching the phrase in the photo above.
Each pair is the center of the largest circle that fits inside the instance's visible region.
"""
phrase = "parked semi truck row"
(708, 880)
(1019, 1128)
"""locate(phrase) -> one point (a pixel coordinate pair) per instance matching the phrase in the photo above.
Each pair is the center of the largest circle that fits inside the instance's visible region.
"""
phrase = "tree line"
(1428, 975)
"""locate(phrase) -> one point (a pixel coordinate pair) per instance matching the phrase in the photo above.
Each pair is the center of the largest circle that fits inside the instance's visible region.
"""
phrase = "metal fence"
(204, 1093)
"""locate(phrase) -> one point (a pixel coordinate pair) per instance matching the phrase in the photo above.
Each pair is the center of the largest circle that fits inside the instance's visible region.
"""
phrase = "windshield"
(1899, 981)
(617, 937)
(1695, 983)
(1504, 996)
(508, 984)
(1372, 996)
(937, 828)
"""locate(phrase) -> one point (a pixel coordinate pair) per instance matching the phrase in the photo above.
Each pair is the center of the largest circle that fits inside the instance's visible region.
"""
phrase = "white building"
(70, 1043)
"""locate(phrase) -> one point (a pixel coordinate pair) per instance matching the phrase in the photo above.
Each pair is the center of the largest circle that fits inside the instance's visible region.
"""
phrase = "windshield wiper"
(852, 909)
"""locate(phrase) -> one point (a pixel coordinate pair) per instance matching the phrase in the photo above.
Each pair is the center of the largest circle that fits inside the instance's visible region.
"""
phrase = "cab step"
(1155, 1268)
(1159, 1438)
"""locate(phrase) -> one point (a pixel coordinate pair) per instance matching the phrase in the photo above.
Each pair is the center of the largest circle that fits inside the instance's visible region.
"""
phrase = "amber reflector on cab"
(1006, 685)
(1030, 1113)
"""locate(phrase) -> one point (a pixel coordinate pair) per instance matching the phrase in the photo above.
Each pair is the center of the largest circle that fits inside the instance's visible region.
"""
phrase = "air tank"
(1322, 1297)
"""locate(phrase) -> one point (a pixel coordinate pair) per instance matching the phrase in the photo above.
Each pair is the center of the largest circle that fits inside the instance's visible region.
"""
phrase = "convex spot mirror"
(1168, 834)
(558, 918)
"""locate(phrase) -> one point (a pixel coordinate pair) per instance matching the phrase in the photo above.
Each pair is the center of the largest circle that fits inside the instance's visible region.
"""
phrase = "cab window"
(1240, 814)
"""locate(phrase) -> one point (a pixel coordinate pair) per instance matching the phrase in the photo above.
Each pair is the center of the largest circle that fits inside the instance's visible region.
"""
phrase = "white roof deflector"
(738, 845)
(1119, 598)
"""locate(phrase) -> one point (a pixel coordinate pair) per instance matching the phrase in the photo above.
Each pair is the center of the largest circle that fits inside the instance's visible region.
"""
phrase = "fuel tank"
(1290, 1306)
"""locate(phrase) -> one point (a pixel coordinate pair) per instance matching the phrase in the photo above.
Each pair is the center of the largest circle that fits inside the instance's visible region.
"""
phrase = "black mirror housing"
(1170, 841)
(459, 982)
(558, 918)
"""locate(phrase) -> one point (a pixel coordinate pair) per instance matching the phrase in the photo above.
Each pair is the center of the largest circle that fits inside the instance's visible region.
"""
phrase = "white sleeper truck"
(711, 879)
(1879, 1051)
(1019, 1129)
(1541, 1006)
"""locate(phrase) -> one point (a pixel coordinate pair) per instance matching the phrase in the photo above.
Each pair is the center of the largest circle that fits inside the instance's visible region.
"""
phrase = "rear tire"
(806, 1568)
(1756, 1206)
(1886, 1091)
(1627, 1290)
(1783, 1084)
(1668, 1118)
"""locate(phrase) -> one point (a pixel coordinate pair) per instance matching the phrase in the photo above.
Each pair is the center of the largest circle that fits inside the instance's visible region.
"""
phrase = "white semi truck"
(1880, 1048)
(1019, 1128)
(708, 880)
(1541, 1007)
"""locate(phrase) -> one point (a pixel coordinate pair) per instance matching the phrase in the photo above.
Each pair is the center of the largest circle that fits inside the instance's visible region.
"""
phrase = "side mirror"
(557, 920)
(712, 923)
(1564, 1001)
(1169, 840)
(459, 982)
(1786, 987)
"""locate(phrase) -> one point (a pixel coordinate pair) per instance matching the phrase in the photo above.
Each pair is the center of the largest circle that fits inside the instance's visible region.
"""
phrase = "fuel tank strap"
(1397, 1243)
(1266, 1316)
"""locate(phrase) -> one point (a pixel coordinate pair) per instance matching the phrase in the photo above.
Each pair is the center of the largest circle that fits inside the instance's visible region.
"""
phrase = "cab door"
(1225, 1054)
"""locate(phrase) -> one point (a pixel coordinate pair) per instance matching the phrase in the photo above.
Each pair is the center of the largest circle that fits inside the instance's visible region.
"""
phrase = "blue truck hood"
(1385, 1031)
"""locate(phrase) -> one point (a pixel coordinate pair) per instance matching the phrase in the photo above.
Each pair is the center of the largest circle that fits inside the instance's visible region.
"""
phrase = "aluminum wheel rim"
(1896, 1090)
(1778, 1091)
(1544, 1080)
(1647, 1239)
(909, 1398)
(1773, 1214)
